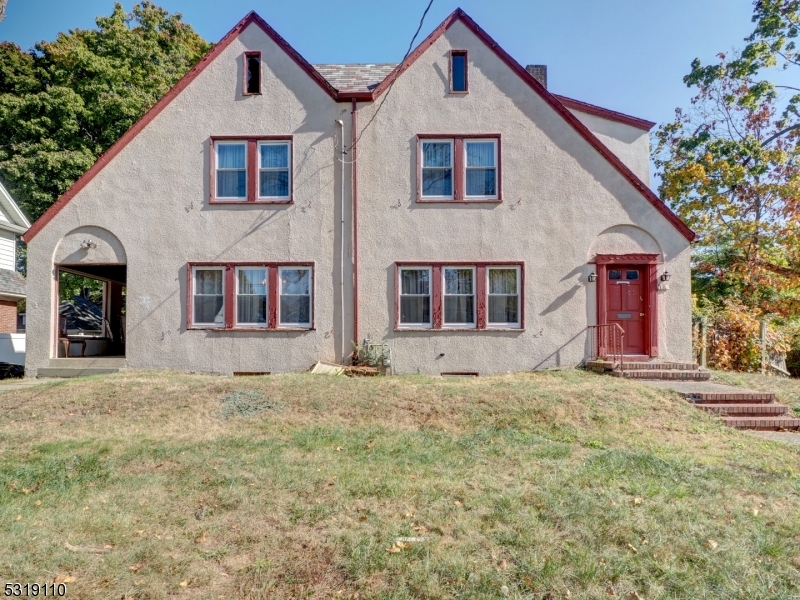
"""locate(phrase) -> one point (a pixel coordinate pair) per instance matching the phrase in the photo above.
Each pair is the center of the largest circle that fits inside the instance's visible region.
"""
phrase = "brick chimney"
(539, 73)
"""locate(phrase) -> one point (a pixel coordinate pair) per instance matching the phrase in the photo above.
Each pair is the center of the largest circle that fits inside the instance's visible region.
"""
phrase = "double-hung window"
(208, 301)
(295, 291)
(252, 170)
(415, 297)
(250, 296)
(459, 297)
(442, 296)
(461, 168)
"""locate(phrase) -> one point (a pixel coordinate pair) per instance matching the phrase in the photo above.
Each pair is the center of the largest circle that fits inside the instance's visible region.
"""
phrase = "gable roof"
(357, 83)
(119, 145)
(11, 216)
(605, 113)
(460, 16)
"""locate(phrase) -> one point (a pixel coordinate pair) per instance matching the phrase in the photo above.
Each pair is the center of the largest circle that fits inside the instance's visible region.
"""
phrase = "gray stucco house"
(264, 214)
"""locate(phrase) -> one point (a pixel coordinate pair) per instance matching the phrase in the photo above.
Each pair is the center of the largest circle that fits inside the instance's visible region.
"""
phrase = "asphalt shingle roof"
(11, 282)
(356, 77)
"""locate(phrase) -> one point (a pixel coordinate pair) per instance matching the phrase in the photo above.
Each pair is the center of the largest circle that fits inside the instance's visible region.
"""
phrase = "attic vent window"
(458, 72)
(252, 73)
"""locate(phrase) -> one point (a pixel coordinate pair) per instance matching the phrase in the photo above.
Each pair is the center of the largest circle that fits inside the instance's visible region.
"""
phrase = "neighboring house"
(477, 222)
(12, 285)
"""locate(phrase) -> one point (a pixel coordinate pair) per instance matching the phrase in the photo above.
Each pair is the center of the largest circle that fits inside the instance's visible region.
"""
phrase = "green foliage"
(65, 102)
(71, 285)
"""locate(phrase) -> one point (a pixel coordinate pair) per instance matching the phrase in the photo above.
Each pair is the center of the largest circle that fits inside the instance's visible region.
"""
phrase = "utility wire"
(397, 74)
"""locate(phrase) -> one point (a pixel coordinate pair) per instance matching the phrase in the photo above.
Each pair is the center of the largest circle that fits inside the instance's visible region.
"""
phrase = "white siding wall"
(8, 248)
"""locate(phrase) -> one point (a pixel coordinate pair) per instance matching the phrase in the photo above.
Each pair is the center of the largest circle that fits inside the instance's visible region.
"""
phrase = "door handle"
(641, 314)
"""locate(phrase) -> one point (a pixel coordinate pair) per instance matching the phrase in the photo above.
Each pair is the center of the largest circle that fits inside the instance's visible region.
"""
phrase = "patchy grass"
(787, 389)
(545, 485)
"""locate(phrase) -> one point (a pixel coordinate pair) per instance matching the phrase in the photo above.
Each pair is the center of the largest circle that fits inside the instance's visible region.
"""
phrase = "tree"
(65, 102)
(730, 166)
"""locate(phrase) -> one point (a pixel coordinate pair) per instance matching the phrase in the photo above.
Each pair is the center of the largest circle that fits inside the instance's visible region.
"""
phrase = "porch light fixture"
(665, 276)
(88, 244)
(592, 277)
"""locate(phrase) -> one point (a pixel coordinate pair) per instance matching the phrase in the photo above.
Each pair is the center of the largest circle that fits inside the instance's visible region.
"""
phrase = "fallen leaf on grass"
(637, 501)
(201, 538)
(19, 517)
(712, 544)
(88, 549)
(64, 579)
(458, 503)
(37, 503)
(755, 512)
(397, 547)
(184, 583)
(632, 548)
(134, 568)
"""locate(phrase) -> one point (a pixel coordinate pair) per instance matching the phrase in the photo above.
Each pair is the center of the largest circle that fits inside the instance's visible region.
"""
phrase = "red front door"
(626, 290)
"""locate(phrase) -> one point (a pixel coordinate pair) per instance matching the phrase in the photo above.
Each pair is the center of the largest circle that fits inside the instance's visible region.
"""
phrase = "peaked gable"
(555, 103)
(119, 145)
(12, 218)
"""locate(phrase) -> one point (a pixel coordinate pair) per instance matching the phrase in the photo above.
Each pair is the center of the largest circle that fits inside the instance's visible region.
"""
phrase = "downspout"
(354, 162)
(341, 244)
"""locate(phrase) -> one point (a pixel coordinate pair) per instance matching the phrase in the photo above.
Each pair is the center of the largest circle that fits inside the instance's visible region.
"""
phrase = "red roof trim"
(151, 114)
(553, 101)
(605, 113)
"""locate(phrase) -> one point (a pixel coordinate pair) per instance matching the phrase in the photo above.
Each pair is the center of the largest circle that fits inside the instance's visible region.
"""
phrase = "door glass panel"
(615, 274)
(623, 315)
(631, 275)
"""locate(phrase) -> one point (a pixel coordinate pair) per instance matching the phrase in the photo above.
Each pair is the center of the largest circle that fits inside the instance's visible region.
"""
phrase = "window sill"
(464, 201)
(460, 330)
(253, 329)
(249, 202)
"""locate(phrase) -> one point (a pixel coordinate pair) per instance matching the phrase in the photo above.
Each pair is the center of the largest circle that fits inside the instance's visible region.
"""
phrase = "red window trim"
(247, 55)
(466, 71)
(481, 294)
(273, 297)
(459, 168)
(252, 168)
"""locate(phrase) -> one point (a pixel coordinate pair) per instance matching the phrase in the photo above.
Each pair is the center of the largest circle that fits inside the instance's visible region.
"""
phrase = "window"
(250, 296)
(415, 297)
(464, 168)
(273, 170)
(503, 287)
(481, 165)
(442, 296)
(295, 294)
(231, 170)
(458, 72)
(437, 169)
(209, 297)
(459, 297)
(252, 73)
(252, 169)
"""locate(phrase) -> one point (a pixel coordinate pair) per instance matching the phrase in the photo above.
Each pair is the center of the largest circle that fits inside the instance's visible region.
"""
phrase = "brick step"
(669, 374)
(661, 366)
(731, 397)
(763, 423)
(745, 410)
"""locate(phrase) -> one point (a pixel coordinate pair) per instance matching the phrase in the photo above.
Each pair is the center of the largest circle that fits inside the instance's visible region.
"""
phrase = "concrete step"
(670, 374)
(75, 372)
(93, 362)
(744, 397)
(745, 410)
(763, 423)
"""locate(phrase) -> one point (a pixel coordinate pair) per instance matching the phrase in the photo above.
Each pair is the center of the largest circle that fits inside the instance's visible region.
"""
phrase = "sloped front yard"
(547, 485)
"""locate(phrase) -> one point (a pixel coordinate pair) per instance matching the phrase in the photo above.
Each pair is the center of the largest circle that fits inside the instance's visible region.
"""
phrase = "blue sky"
(627, 55)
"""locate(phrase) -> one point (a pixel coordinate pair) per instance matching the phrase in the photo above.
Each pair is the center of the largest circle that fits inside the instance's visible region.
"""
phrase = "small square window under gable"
(251, 86)
(459, 74)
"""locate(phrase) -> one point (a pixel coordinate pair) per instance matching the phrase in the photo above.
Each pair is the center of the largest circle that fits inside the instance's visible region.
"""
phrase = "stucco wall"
(630, 144)
(154, 198)
(559, 196)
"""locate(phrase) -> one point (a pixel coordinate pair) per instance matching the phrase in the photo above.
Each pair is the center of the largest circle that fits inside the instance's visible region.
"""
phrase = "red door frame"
(651, 261)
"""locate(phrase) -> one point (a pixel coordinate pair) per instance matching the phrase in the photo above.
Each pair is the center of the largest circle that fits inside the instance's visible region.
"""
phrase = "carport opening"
(91, 310)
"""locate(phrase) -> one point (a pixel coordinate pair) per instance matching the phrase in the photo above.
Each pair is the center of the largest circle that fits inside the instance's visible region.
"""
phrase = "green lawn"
(548, 485)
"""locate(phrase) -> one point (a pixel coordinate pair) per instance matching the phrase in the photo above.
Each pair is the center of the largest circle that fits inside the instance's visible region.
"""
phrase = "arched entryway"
(90, 279)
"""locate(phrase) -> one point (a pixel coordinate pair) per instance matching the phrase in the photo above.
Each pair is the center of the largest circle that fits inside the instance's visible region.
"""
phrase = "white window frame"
(474, 324)
(496, 194)
(236, 321)
(422, 167)
(280, 324)
(196, 323)
(518, 324)
(288, 168)
(217, 169)
(400, 295)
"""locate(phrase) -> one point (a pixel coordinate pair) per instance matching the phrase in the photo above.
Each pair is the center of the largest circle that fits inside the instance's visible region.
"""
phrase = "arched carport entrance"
(90, 278)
